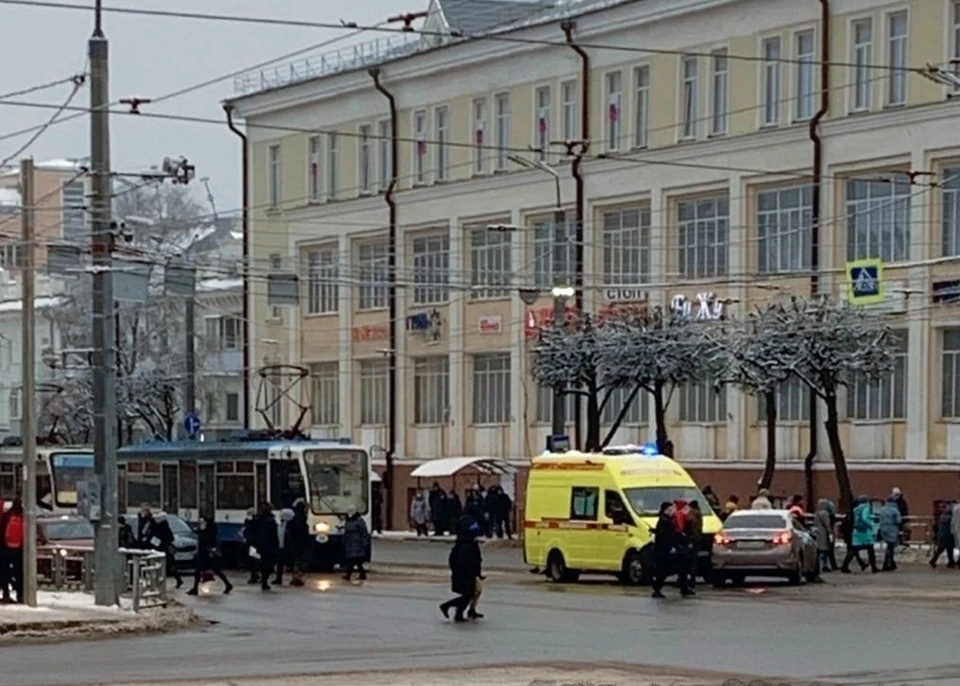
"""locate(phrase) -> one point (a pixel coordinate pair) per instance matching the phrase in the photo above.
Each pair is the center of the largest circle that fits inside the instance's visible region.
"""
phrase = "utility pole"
(191, 357)
(106, 560)
(29, 350)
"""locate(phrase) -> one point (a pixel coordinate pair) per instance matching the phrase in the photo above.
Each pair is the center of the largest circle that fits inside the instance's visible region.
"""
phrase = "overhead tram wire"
(38, 87)
(496, 37)
(191, 88)
(78, 82)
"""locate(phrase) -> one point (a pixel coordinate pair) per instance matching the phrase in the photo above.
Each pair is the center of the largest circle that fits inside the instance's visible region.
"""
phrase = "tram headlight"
(322, 527)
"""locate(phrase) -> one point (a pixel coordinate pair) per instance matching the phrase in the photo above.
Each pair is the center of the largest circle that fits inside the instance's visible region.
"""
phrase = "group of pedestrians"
(490, 509)
(676, 547)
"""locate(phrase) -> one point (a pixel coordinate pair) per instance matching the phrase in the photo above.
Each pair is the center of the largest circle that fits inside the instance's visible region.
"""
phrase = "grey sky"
(152, 56)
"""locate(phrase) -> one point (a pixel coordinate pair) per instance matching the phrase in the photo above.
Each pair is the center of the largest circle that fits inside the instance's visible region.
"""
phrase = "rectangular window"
(385, 146)
(955, 39)
(232, 403)
(223, 333)
(323, 290)
(372, 260)
(883, 398)
(897, 58)
(704, 233)
(374, 383)
(719, 91)
(689, 106)
(442, 120)
(333, 166)
(314, 160)
(570, 95)
(793, 403)
(584, 503)
(188, 485)
(878, 218)
(490, 263)
(420, 146)
(637, 413)
(641, 106)
(365, 159)
(276, 175)
(491, 388)
(950, 363)
(951, 212)
(545, 406)
(702, 403)
(542, 121)
(431, 390)
(431, 269)
(626, 247)
(614, 98)
(862, 40)
(326, 393)
(553, 252)
(771, 81)
(235, 487)
(73, 197)
(784, 218)
(14, 403)
(806, 74)
(502, 103)
(480, 136)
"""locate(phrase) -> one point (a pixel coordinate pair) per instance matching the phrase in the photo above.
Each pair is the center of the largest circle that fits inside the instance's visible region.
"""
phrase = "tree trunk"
(770, 401)
(664, 446)
(832, 425)
(623, 413)
(593, 417)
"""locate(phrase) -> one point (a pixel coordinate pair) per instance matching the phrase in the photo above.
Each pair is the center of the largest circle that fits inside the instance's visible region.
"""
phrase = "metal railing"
(72, 568)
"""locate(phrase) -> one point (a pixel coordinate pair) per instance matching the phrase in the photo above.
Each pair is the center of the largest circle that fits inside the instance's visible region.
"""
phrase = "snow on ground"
(75, 600)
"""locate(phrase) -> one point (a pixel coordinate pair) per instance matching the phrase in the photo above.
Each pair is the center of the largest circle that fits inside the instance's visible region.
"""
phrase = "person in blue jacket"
(864, 535)
(890, 524)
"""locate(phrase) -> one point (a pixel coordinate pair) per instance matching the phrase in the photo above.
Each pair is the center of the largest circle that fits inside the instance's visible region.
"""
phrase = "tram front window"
(286, 483)
(338, 481)
(68, 470)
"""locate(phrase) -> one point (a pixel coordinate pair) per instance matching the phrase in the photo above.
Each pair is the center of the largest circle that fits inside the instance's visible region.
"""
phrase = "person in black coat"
(666, 542)
(356, 546)
(466, 569)
(162, 539)
(454, 508)
(267, 537)
(297, 541)
(208, 556)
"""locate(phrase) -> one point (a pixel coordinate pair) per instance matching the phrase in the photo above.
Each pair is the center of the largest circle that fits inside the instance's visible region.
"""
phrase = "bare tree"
(757, 362)
(659, 351)
(569, 356)
(828, 344)
(65, 414)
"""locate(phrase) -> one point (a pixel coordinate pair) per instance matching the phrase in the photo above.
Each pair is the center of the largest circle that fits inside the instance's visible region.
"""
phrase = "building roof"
(479, 16)
(456, 20)
(55, 165)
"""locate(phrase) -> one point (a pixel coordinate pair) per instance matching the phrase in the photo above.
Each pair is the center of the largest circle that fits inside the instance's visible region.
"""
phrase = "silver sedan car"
(764, 543)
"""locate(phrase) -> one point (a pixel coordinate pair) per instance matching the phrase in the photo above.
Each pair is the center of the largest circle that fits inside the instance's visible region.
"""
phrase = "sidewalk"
(66, 615)
(516, 542)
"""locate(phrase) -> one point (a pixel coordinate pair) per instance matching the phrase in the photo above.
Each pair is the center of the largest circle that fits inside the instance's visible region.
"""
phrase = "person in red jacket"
(11, 554)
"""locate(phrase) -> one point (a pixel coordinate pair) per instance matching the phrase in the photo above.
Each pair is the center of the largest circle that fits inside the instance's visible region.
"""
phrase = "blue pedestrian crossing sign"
(192, 424)
(865, 284)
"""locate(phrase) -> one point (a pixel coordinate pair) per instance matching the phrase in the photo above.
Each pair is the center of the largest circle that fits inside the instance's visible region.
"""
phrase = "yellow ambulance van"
(595, 512)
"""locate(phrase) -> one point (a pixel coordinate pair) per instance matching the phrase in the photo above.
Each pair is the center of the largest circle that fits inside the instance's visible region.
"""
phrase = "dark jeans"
(460, 604)
(943, 548)
(11, 573)
(351, 566)
(854, 552)
(889, 555)
(172, 567)
(502, 524)
(268, 563)
(422, 529)
(211, 564)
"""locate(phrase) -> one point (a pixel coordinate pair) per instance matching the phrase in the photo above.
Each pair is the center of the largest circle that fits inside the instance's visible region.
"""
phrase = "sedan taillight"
(721, 539)
(783, 538)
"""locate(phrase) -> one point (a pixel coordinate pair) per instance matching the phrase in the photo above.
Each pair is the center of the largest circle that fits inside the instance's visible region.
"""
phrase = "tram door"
(207, 490)
(286, 483)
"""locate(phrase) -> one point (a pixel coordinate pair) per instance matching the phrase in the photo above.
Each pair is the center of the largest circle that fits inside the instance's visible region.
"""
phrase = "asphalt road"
(394, 624)
(496, 555)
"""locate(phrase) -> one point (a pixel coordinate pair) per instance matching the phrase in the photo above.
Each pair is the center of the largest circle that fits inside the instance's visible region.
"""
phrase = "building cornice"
(464, 54)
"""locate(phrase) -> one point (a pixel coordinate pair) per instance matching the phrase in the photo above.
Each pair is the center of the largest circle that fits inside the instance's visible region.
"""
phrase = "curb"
(55, 625)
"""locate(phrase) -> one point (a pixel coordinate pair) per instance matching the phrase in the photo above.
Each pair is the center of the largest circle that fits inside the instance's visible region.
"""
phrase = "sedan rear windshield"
(754, 521)
(68, 531)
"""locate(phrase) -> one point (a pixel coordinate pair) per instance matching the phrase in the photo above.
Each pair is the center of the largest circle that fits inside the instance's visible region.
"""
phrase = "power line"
(456, 35)
(78, 82)
(39, 87)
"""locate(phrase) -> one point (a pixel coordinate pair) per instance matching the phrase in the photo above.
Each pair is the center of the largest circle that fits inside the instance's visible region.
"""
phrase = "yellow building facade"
(698, 185)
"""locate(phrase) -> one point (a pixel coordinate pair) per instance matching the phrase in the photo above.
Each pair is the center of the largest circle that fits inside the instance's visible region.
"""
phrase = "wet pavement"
(500, 555)
(392, 624)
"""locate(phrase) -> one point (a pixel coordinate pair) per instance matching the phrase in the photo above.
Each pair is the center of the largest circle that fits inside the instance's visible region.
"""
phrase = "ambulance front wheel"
(557, 570)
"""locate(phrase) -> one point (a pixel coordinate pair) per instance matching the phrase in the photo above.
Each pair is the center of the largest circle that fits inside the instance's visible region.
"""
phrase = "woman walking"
(356, 546)
(466, 566)
(208, 556)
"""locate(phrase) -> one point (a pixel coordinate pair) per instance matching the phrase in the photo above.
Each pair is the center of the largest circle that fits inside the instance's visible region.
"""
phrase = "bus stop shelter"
(451, 467)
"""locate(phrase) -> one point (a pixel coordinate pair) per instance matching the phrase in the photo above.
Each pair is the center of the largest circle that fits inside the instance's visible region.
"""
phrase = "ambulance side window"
(583, 503)
(614, 509)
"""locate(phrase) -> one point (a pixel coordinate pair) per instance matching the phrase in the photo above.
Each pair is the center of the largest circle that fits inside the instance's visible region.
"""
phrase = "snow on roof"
(38, 303)
(212, 285)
